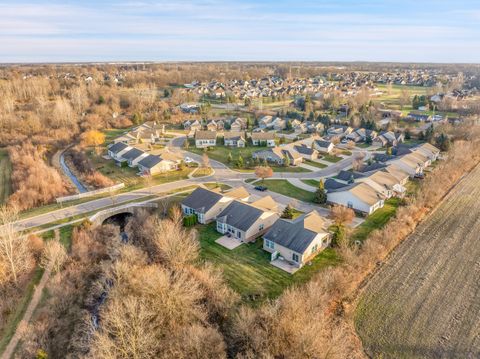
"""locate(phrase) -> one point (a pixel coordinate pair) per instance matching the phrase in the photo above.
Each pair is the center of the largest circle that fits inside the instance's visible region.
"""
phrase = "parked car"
(261, 188)
(419, 176)
(188, 160)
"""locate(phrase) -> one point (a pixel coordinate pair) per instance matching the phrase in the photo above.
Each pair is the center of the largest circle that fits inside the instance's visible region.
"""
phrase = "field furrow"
(425, 301)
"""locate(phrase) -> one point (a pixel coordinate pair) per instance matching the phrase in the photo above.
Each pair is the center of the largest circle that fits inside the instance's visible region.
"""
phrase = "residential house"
(324, 146)
(116, 150)
(339, 131)
(265, 121)
(263, 139)
(153, 164)
(279, 124)
(297, 241)
(388, 138)
(234, 139)
(239, 124)
(133, 156)
(359, 196)
(400, 175)
(361, 135)
(192, 125)
(277, 155)
(205, 139)
(388, 184)
(247, 221)
(212, 126)
(419, 117)
(306, 152)
(208, 204)
(409, 164)
(348, 177)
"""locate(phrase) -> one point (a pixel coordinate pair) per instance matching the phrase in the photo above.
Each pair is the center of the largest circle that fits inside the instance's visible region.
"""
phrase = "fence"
(90, 193)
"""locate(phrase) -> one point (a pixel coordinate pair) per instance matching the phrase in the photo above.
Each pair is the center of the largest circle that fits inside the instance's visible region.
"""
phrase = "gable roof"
(240, 215)
(233, 135)
(202, 199)
(150, 161)
(117, 147)
(297, 235)
(238, 193)
(205, 135)
(304, 150)
(263, 136)
(348, 175)
(132, 154)
(330, 184)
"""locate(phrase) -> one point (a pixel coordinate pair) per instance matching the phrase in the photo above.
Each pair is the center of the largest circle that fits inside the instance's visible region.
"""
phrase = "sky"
(233, 30)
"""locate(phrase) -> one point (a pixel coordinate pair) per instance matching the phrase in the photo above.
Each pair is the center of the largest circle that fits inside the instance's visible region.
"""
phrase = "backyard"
(247, 268)
(5, 173)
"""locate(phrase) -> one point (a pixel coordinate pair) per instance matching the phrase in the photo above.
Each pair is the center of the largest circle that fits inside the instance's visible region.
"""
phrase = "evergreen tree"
(230, 158)
(321, 194)
(286, 161)
(287, 212)
(240, 162)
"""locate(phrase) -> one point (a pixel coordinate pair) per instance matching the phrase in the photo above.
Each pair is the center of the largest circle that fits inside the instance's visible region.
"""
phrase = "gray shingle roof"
(347, 175)
(291, 235)
(150, 161)
(117, 147)
(132, 154)
(240, 215)
(330, 185)
(202, 200)
(304, 150)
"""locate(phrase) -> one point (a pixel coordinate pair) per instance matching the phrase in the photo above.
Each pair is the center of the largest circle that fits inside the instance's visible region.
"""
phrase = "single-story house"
(388, 138)
(419, 117)
(234, 139)
(205, 139)
(263, 139)
(277, 155)
(207, 204)
(400, 175)
(387, 184)
(361, 135)
(409, 164)
(265, 121)
(248, 221)
(359, 196)
(297, 241)
(152, 165)
(339, 131)
(324, 146)
(116, 150)
(348, 177)
(132, 157)
(306, 152)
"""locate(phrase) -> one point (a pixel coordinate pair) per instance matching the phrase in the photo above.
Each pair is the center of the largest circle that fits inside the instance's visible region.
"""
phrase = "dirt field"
(5, 172)
(425, 301)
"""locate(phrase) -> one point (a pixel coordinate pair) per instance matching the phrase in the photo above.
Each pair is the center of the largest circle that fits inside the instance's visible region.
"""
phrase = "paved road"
(221, 174)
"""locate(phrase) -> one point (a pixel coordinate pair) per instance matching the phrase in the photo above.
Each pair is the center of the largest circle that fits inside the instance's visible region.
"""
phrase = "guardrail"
(90, 193)
(129, 207)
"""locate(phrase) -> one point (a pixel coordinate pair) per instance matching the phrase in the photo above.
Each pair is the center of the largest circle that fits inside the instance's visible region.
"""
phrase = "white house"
(263, 139)
(359, 196)
(234, 139)
(205, 139)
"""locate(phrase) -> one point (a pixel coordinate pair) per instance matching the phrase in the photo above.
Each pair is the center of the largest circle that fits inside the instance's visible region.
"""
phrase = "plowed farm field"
(425, 300)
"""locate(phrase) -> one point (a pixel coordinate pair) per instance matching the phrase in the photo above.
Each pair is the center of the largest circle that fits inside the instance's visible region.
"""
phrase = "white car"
(188, 160)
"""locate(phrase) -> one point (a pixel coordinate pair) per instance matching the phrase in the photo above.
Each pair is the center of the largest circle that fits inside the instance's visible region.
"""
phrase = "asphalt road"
(221, 174)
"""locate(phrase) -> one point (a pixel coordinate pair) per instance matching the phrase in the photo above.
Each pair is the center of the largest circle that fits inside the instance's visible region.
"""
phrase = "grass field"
(315, 164)
(331, 158)
(311, 182)
(221, 153)
(424, 301)
(392, 99)
(247, 268)
(376, 220)
(5, 173)
(286, 188)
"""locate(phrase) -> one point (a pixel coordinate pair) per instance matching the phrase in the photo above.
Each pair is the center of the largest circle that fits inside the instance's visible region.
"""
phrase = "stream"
(81, 188)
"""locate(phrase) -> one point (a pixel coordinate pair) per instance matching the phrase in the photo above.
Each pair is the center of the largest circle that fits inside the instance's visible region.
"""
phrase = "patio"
(228, 242)
(284, 265)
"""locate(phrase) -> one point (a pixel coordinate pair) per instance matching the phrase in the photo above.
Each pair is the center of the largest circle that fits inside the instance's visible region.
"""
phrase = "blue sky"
(234, 30)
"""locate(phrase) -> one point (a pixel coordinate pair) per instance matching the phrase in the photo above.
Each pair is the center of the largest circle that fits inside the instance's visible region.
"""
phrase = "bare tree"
(15, 255)
(263, 172)
(54, 255)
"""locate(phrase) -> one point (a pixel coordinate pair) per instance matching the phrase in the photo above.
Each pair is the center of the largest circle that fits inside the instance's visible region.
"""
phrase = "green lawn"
(5, 173)
(362, 145)
(392, 99)
(315, 164)
(311, 182)
(202, 172)
(376, 220)
(220, 154)
(332, 158)
(286, 188)
(247, 268)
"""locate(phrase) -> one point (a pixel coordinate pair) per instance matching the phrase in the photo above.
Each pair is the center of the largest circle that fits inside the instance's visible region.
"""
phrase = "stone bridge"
(130, 208)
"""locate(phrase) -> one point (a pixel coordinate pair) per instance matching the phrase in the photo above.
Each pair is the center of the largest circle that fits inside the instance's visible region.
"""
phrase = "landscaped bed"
(247, 268)
(315, 164)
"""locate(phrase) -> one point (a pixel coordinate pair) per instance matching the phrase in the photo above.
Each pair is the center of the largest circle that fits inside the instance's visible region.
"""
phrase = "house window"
(350, 204)
(295, 257)
(260, 227)
(314, 248)
(269, 244)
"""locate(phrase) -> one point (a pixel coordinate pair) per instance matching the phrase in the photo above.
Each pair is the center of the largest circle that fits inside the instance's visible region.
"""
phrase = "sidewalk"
(298, 183)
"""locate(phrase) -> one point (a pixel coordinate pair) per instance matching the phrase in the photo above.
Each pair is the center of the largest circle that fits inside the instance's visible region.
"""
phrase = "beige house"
(297, 241)
(207, 204)
(361, 197)
(247, 221)
(234, 139)
(205, 139)
(263, 139)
